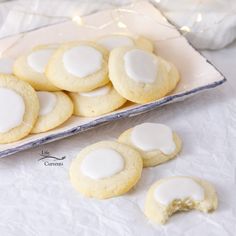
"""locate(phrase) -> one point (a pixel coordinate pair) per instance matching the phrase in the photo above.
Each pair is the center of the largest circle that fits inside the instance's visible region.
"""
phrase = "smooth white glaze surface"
(153, 136)
(82, 61)
(38, 60)
(47, 101)
(141, 66)
(102, 163)
(12, 109)
(178, 188)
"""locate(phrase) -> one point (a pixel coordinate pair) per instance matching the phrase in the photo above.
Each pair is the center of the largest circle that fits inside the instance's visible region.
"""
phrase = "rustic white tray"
(197, 74)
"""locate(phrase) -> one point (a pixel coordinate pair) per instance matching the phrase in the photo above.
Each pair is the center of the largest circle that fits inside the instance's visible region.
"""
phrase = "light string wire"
(116, 15)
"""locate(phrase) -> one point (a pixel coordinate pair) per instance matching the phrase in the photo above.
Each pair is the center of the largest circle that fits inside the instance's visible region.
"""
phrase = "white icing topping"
(178, 188)
(102, 163)
(82, 61)
(38, 60)
(153, 136)
(12, 109)
(141, 66)
(97, 92)
(115, 41)
(47, 101)
(6, 66)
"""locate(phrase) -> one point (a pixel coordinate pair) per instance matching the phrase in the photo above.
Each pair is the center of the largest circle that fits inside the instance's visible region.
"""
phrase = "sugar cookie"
(121, 40)
(79, 67)
(97, 102)
(31, 67)
(156, 142)
(55, 109)
(106, 169)
(141, 76)
(19, 108)
(174, 194)
(6, 66)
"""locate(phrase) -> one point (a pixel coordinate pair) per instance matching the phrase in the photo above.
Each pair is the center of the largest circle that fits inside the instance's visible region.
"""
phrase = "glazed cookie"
(79, 67)
(97, 102)
(55, 109)
(121, 40)
(106, 169)
(19, 108)
(31, 67)
(157, 143)
(6, 66)
(141, 76)
(174, 194)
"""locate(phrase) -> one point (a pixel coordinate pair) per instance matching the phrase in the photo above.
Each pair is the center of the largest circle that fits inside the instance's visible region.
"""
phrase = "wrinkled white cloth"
(212, 23)
(39, 200)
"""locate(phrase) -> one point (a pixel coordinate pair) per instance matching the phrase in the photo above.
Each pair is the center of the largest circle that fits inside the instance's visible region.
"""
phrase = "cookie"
(97, 102)
(106, 169)
(79, 67)
(141, 76)
(157, 143)
(174, 194)
(19, 108)
(121, 40)
(31, 67)
(55, 109)
(6, 66)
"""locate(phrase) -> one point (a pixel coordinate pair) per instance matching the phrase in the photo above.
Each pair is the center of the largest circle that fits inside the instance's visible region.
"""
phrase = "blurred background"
(208, 24)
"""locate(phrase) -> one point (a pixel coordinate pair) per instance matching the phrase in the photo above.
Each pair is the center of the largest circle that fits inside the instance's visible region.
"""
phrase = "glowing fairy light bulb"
(185, 29)
(78, 20)
(199, 17)
(121, 25)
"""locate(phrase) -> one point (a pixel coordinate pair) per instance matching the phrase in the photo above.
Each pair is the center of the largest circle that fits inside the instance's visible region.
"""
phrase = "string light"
(185, 29)
(78, 20)
(116, 18)
(199, 17)
(121, 25)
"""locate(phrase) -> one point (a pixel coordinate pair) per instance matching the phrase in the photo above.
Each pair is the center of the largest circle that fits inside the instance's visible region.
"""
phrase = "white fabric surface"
(212, 23)
(39, 200)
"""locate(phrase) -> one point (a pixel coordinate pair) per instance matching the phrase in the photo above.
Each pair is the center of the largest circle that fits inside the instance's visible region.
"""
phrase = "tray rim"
(118, 115)
(112, 117)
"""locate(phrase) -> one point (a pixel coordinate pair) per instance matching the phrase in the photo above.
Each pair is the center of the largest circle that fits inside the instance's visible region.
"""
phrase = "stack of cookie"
(83, 78)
